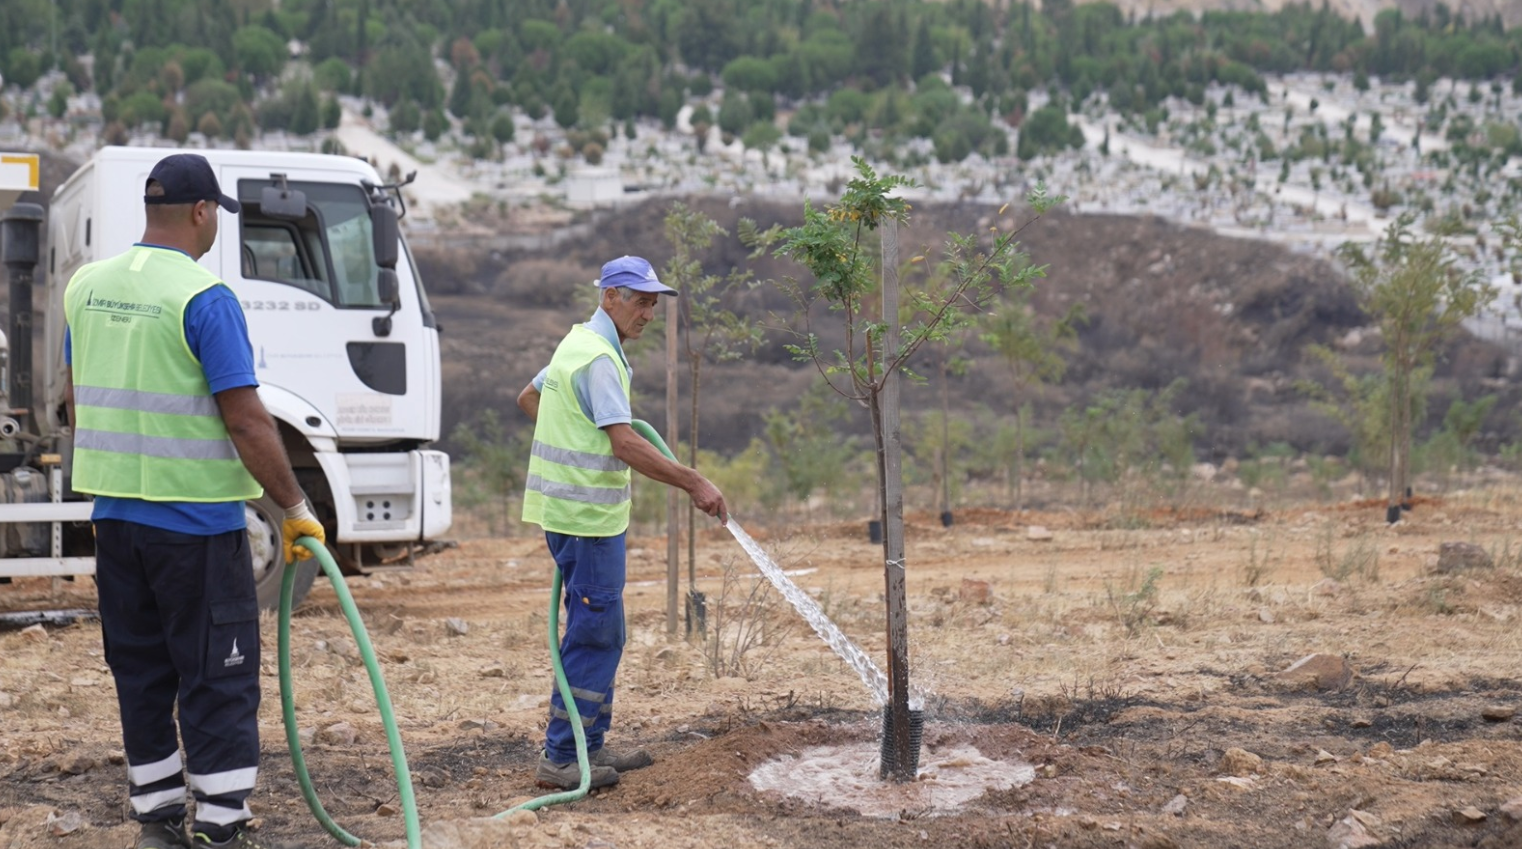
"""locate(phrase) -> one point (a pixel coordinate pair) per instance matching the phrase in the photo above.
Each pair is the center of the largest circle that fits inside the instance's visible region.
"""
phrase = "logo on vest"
(234, 659)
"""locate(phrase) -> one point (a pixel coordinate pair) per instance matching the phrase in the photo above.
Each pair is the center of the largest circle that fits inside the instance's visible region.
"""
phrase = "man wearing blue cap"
(578, 492)
(171, 438)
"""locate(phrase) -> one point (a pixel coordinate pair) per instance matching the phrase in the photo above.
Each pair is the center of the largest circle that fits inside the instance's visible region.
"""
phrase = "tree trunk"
(696, 616)
(1398, 405)
(945, 439)
(1020, 457)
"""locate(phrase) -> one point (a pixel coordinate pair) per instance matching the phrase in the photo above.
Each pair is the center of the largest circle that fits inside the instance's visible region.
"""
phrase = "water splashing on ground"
(873, 677)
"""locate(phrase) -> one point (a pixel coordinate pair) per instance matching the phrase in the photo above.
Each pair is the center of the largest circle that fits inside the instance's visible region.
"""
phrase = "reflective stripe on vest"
(147, 425)
(575, 485)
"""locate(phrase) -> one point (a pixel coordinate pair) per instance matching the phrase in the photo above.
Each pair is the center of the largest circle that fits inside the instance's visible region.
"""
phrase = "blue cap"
(187, 178)
(632, 272)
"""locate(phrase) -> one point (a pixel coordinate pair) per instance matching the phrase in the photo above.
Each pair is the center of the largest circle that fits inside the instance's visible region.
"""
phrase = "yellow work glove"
(299, 522)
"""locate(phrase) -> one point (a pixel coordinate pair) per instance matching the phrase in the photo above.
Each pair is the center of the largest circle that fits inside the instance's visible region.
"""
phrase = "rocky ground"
(1124, 680)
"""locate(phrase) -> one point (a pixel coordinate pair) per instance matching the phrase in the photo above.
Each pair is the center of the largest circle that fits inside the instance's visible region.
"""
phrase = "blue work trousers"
(180, 622)
(592, 570)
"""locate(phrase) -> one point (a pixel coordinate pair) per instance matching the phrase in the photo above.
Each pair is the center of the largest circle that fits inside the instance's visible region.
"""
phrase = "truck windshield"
(329, 253)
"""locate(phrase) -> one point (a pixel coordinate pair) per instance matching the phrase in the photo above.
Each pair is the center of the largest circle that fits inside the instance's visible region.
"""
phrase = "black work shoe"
(163, 834)
(623, 762)
(568, 776)
(241, 839)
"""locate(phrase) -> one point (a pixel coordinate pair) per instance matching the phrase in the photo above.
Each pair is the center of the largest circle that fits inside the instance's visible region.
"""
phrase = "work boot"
(241, 839)
(568, 776)
(162, 834)
(623, 762)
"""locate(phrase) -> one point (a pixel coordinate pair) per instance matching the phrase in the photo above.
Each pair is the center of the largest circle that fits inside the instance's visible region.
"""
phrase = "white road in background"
(438, 185)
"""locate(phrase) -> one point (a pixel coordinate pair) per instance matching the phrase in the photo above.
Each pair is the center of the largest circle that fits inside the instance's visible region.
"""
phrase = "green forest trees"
(648, 61)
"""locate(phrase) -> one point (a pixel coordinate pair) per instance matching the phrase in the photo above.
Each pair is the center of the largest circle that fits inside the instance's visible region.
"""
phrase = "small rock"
(522, 819)
(1240, 762)
(70, 822)
(1325, 757)
(1327, 587)
(1468, 815)
(1498, 713)
(306, 735)
(386, 810)
(1349, 833)
(976, 592)
(1462, 556)
(1317, 672)
(338, 734)
(1038, 533)
(1368, 819)
(1176, 805)
(6, 700)
(116, 757)
(34, 634)
(75, 763)
(1203, 471)
(456, 627)
(84, 681)
(1265, 616)
(1381, 750)
(482, 725)
(1362, 722)
(1512, 810)
(495, 670)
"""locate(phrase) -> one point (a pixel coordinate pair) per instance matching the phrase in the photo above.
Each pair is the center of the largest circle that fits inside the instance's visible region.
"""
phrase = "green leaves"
(938, 301)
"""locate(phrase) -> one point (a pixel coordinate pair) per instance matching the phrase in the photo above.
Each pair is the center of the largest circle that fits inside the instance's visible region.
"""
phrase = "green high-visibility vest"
(575, 484)
(147, 425)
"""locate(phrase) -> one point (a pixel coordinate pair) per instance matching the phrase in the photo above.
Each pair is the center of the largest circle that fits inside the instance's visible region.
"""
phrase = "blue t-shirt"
(598, 387)
(218, 337)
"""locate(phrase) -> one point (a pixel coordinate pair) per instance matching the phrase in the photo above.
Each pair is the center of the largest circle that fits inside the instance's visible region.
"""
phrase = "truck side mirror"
(282, 202)
(387, 236)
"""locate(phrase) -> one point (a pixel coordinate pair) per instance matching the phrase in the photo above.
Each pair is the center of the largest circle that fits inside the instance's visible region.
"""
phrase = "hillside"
(1232, 317)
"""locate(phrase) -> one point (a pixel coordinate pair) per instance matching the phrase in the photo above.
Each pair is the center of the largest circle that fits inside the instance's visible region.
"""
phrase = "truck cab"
(345, 346)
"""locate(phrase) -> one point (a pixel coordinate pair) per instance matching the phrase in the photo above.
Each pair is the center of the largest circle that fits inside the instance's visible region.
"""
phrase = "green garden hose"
(383, 698)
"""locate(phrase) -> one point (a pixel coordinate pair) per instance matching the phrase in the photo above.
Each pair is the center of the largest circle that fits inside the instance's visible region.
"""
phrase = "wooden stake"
(673, 504)
(893, 517)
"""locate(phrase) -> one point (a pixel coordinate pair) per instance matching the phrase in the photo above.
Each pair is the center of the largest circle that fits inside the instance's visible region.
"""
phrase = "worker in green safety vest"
(578, 492)
(171, 438)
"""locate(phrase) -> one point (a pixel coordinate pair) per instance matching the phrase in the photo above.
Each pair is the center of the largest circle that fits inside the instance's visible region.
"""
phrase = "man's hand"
(706, 497)
(299, 522)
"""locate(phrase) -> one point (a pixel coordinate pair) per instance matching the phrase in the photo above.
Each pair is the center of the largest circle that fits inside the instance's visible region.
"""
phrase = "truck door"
(309, 289)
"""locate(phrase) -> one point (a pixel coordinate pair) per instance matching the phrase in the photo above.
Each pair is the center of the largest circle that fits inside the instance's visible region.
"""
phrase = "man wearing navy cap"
(171, 438)
(578, 492)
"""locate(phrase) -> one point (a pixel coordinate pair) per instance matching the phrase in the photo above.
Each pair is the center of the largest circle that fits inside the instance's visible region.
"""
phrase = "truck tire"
(266, 550)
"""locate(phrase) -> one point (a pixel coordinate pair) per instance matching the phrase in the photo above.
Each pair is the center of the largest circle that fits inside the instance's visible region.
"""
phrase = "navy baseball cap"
(187, 178)
(632, 272)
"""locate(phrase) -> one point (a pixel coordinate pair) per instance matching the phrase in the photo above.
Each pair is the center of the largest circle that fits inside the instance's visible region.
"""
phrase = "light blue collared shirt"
(598, 387)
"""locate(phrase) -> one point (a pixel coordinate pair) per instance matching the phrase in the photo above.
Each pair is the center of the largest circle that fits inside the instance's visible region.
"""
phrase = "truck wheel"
(266, 550)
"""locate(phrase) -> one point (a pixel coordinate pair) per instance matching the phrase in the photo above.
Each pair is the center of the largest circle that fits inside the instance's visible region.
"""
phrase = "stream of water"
(873, 677)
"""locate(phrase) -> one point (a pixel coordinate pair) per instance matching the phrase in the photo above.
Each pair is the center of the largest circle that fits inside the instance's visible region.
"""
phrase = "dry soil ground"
(1127, 697)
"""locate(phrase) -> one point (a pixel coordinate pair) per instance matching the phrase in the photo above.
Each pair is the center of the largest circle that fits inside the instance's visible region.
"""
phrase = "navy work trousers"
(180, 620)
(592, 572)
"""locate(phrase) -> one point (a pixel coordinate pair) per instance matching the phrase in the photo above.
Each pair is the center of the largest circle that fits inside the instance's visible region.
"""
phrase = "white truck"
(346, 351)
